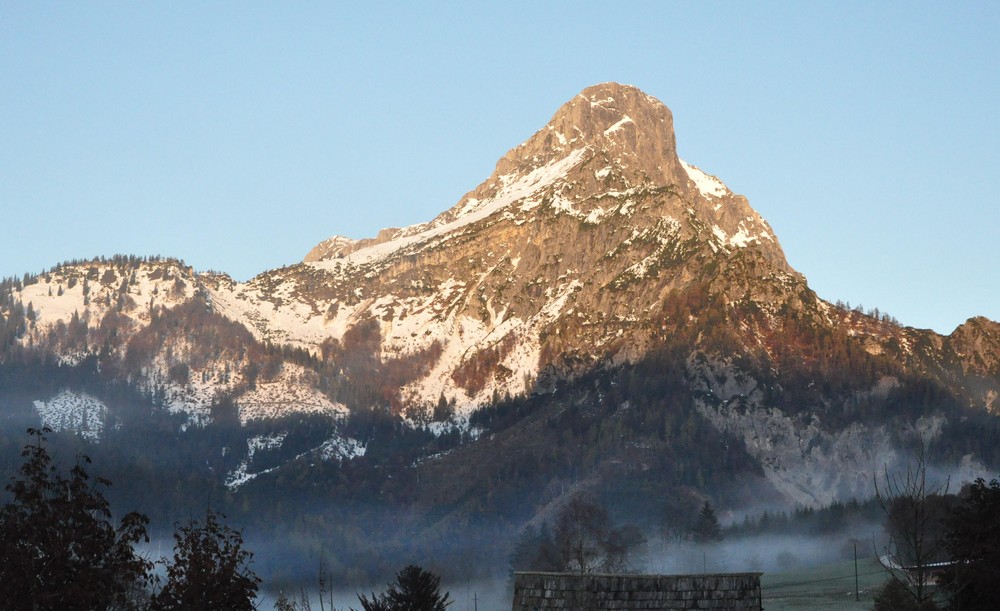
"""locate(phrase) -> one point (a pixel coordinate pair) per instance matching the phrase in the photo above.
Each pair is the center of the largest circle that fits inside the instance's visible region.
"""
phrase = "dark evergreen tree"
(973, 542)
(894, 596)
(283, 603)
(706, 528)
(58, 548)
(210, 569)
(414, 590)
(443, 411)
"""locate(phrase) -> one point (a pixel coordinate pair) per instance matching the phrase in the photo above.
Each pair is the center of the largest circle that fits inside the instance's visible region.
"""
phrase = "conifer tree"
(973, 540)
(414, 590)
(706, 528)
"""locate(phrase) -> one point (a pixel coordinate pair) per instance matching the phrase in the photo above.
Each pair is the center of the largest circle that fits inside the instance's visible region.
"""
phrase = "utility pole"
(857, 595)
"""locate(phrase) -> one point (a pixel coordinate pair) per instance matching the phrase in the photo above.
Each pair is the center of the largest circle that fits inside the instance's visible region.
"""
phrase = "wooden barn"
(579, 592)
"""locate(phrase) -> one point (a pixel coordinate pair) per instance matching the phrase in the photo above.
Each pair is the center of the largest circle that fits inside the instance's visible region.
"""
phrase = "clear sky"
(236, 135)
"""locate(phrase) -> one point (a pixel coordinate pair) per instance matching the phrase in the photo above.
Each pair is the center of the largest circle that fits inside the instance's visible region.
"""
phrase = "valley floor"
(820, 588)
(830, 586)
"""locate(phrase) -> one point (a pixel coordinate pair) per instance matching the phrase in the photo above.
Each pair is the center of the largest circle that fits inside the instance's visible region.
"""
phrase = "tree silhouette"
(414, 590)
(894, 596)
(58, 548)
(915, 512)
(581, 533)
(534, 550)
(706, 528)
(584, 541)
(973, 541)
(210, 569)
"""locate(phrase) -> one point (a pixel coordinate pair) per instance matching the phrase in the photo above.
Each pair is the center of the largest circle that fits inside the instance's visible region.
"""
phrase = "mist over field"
(760, 553)
(765, 553)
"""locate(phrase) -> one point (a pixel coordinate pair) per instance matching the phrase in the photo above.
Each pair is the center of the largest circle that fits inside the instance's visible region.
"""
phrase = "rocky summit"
(558, 262)
(592, 260)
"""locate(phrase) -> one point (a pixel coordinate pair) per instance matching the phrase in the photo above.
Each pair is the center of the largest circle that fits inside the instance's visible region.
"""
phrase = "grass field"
(827, 587)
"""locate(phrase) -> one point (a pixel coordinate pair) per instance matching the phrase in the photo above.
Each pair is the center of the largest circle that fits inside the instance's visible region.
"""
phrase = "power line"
(813, 581)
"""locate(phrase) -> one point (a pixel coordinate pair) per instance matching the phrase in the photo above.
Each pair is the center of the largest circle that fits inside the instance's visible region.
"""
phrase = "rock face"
(592, 245)
(977, 343)
(630, 130)
(606, 140)
(558, 261)
(332, 248)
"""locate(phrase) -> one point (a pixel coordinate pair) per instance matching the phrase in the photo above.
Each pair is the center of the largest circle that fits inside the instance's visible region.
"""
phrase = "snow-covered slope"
(76, 412)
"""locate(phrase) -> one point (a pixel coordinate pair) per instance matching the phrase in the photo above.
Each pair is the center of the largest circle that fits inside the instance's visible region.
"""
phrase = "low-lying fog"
(762, 553)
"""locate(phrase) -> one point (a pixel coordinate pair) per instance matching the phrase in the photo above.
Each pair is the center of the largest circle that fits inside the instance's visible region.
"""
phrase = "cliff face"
(560, 260)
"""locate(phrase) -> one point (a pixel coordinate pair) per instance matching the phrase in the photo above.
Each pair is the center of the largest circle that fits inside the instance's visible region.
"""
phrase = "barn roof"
(573, 591)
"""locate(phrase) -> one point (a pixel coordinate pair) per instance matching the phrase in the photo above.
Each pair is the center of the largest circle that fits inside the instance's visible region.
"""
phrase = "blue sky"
(237, 135)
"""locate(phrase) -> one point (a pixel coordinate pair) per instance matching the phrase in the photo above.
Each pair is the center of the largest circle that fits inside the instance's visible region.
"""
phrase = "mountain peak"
(636, 129)
(608, 141)
(630, 130)
(629, 133)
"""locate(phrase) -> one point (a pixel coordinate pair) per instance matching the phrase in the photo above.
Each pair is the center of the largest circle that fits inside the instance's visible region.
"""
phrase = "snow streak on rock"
(336, 448)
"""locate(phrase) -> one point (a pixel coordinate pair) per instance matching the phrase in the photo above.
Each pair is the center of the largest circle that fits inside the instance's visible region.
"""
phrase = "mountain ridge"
(596, 120)
(591, 247)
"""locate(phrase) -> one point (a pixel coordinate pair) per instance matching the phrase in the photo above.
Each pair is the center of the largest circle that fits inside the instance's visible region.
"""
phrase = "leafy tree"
(414, 590)
(973, 542)
(586, 541)
(706, 528)
(58, 548)
(619, 546)
(581, 535)
(535, 550)
(210, 569)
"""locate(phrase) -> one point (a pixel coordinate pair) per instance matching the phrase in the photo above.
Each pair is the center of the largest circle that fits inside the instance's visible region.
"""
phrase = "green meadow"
(831, 586)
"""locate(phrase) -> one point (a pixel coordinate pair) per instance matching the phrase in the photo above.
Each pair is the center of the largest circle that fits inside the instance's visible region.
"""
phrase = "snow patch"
(710, 186)
(514, 189)
(625, 120)
(90, 290)
(559, 135)
(76, 412)
(292, 391)
(335, 448)
(595, 216)
(602, 103)
(744, 236)
(341, 448)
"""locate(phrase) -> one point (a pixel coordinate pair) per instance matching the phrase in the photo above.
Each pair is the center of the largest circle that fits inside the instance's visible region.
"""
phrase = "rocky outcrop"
(977, 344)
